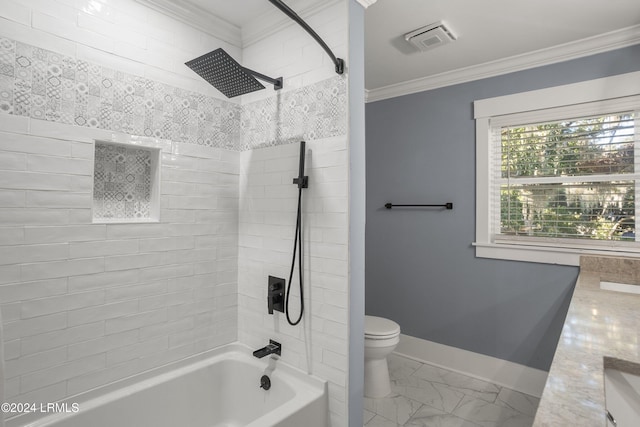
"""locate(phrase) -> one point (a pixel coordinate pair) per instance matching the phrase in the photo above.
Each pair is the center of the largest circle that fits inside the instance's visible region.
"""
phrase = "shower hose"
(297, 244)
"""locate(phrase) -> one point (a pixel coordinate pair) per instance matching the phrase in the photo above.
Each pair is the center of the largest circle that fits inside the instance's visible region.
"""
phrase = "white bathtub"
(221, 390)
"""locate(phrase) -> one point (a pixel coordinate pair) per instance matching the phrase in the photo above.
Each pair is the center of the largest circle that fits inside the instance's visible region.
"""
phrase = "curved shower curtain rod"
(339, 63)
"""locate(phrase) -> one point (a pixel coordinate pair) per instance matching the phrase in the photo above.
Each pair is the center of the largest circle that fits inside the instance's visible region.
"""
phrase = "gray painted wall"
(421, 269)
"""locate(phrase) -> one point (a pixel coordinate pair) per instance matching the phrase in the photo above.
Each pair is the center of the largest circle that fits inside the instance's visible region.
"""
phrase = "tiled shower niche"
(125, 183)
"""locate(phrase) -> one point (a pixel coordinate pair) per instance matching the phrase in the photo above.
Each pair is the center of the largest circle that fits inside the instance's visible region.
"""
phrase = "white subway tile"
(102, 248)
(56, 304)
(72, 233)
(179, 188)
(13, 161)
(213, 165)
(134, 231)
(30, 290)
(114, 32)
(335, 235)
(58, 199)
(167, 328)
(190, 202)
(55, 9)
(31, 144)
(329, 250)
(124, 50)
(44, 395)
(193, 150)
(40, 343)
(105, 376)
(48, 376)
(121, 293)
(54, 131)
(33, 253)
(34, 181)
(12, 349)
(12, 198)
(177, 215)
(103, 280)
(63, 165)
(136, 321)
(62, 29)
(27, 34)
(9, 273)
(73, 267)
(127, 262)
(37, 325)
(10, 312)
(102, 312)
(82, 150)
(335, 298)
(15, 12)
(35, 362)
(101, 344)
(166, 272)
(14, 124)
(167, 244)
(82, 184)
(25, 216)
(134, 351)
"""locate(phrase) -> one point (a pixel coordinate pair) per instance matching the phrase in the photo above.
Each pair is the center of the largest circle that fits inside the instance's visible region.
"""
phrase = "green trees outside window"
(573, 178)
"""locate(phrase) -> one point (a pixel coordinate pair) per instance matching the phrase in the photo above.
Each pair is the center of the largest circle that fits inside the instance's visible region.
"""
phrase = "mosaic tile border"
(46, 85)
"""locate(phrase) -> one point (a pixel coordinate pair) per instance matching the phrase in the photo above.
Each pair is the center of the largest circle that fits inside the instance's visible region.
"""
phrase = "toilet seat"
(379, 328)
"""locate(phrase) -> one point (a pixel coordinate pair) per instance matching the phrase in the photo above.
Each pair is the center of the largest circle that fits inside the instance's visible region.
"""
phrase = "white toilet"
(381, 336)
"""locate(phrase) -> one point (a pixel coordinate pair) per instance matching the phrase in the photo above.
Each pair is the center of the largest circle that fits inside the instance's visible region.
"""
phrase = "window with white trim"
(561, 178)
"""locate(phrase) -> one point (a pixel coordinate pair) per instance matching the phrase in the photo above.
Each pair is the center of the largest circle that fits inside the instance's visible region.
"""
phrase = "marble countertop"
(599, 324)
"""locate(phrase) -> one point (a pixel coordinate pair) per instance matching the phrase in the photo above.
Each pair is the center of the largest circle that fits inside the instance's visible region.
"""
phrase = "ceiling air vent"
(431, 36)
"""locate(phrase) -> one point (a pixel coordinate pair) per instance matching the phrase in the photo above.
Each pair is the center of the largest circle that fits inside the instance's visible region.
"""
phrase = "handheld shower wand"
(303, 182)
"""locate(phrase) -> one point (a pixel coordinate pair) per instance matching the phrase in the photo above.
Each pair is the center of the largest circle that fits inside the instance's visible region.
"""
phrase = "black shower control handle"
(275, 295)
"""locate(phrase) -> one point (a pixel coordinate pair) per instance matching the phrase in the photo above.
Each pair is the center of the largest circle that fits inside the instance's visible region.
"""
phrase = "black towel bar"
(446, 205)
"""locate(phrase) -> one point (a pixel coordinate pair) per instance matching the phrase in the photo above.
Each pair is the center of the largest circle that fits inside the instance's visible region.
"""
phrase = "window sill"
(544, 254)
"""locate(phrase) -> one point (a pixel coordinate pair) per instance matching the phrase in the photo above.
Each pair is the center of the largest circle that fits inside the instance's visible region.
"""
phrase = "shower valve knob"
(275, 295)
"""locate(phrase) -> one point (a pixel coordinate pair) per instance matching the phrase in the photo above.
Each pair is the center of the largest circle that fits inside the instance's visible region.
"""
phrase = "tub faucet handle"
(272, 348)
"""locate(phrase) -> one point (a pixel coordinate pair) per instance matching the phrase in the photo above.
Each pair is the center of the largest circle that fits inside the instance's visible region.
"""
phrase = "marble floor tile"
(436, 395)
(468, 385)
(518, 401)
(427, 396)
(367, 416)
(379, 421)
(488, 414)
(401, 367)
(431, 417)
(396, 407)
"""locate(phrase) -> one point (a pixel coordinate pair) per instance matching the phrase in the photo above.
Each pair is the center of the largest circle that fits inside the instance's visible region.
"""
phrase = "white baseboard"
(501, 372)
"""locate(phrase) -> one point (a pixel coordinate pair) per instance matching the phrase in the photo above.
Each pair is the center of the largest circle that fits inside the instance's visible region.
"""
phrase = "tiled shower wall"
(316, 111)
(84, 304)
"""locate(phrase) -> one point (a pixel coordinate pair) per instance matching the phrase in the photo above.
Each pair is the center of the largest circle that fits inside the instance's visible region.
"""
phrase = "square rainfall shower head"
(224, 73)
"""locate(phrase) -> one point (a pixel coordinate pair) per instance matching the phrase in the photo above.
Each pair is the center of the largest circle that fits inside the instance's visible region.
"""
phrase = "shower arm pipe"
(277, 83)
(339, 63)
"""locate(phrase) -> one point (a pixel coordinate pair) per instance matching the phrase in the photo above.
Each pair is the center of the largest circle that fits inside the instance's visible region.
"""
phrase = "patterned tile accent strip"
(313, 112)
(45, 85)
(121, 182)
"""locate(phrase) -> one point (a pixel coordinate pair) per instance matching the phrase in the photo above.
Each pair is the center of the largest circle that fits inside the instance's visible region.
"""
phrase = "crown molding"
(590, 46)
(198, 18)
(252, 32)
(274, 21)
(366, 3)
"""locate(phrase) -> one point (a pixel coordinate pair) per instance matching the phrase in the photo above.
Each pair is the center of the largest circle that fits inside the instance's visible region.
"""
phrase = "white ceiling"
(236, 12)
(488, 32)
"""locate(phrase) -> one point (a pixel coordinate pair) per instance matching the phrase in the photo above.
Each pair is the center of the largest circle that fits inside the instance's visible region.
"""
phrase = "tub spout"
(272, 348)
